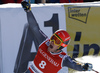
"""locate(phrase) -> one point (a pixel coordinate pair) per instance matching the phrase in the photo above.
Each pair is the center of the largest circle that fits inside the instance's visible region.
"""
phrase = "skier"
(50, 58)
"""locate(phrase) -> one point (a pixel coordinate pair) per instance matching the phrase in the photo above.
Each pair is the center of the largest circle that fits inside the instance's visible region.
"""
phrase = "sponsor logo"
(61, 55)
(79, 13)
(48, 58)
(67, 38)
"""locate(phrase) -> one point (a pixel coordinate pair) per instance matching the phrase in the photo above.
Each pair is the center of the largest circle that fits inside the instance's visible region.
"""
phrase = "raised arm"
(38, 34)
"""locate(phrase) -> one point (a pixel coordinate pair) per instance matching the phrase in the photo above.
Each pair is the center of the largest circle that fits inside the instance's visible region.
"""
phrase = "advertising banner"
(82, 23)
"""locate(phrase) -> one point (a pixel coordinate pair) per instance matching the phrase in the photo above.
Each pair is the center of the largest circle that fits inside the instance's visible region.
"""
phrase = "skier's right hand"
(87, 67)
(26, 6)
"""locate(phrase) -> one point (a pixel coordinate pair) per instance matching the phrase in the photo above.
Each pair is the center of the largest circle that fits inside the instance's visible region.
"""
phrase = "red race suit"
(45, 61)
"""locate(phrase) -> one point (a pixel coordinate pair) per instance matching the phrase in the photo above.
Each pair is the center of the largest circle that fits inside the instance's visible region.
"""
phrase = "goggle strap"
(58, 37)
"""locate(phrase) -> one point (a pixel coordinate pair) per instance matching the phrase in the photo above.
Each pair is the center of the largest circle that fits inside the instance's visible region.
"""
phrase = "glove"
(26, 6)
(87, 67)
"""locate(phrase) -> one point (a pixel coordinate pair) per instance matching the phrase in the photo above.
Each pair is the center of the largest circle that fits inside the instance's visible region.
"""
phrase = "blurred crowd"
(47, 1)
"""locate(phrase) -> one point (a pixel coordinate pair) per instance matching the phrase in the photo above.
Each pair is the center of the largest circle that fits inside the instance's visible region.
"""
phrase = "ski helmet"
(64, 36)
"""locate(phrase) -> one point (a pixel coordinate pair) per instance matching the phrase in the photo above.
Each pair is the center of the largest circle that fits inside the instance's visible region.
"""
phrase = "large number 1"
(53, 22)
(24, 54)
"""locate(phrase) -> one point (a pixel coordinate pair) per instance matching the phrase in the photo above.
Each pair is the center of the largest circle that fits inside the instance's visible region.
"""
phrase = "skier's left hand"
(87, 67)
(26, 6)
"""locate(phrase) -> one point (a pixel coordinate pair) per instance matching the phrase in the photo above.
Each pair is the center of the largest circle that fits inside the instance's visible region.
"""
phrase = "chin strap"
(61, 47)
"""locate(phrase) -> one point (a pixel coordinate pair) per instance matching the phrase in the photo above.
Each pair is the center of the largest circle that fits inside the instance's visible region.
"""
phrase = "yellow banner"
(83, 25)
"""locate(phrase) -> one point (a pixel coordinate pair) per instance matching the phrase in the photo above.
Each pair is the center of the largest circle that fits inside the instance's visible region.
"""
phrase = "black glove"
(26, 6)
(87, 67)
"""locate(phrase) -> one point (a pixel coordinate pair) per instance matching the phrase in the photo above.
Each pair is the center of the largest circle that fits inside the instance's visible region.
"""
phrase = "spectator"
(90, 0)
(70, 1)
(42, 1)
(0, 2)
(18, 1)
(32, 1)
(47, 1)
(37, 1)
(11, 1)
(54, 1)
(76, 1)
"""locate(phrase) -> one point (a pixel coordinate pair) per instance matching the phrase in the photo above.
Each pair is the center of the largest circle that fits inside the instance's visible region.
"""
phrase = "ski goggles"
(58, 41)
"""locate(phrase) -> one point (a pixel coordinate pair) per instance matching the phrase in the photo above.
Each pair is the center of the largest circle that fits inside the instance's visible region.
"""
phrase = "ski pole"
(95, 71)
(83, 63)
